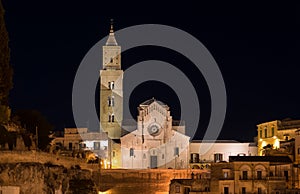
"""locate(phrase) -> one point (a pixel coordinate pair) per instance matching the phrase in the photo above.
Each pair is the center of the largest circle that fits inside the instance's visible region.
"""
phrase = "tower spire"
(111, 41)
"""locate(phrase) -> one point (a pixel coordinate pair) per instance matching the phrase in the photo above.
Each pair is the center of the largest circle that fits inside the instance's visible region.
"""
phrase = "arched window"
(111, 85)
(112, 101)
(131, 152)
(112, 117)
(109, 101)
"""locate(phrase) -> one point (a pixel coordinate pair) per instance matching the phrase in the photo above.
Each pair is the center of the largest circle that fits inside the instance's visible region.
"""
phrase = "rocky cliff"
(37, 178)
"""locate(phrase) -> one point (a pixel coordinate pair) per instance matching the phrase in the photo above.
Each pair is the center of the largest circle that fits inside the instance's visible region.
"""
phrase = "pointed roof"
(111, 41)
(150, 101)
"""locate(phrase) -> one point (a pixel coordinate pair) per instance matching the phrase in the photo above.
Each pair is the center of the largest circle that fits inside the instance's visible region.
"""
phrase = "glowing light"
(260, 139)
(274, 137)
(277, 143)
(105, 163)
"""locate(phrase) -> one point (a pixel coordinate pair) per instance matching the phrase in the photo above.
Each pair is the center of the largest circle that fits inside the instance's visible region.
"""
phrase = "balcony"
(192, 161)
(227, 178)
(261, 178)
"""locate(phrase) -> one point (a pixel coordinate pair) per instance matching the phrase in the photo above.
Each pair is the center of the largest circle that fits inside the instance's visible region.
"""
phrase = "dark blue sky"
(256, 48)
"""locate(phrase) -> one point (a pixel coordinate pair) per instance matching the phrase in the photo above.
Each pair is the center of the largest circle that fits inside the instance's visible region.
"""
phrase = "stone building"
(111, 97)
(111, 88)
(76, 139)
(275, 131)
(219, 150)
(243, 174)
(156, 143)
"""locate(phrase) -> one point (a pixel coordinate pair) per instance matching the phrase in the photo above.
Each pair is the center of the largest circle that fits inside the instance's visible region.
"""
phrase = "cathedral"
(156, 141)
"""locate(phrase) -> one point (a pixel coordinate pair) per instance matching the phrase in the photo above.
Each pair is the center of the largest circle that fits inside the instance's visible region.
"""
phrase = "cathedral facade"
(156, 141)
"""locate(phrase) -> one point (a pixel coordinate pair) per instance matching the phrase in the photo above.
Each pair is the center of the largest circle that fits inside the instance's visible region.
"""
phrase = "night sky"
(256, 48)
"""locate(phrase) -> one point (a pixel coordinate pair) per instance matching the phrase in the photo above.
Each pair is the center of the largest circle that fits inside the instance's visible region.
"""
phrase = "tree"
(8, 137)
(33, 121)
(6, 71)
(3, 136)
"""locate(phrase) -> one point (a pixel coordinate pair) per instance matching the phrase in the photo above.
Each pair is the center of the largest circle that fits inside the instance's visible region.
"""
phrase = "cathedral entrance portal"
(153, 161)
(153, 158)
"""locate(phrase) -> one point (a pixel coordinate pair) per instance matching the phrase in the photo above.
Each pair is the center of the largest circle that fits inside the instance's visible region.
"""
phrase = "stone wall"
(39, 173)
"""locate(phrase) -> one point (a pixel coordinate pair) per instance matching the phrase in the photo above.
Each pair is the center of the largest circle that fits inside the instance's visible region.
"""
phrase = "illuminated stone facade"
(275, 131)
(111, 89)
(242, 174)
(156, 143)
(217, 151)
(75, 139)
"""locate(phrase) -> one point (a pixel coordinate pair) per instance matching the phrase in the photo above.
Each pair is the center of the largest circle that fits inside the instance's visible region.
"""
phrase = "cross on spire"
(111, 25)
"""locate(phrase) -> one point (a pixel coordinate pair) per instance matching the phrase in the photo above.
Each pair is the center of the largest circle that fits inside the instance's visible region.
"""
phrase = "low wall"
(42, 157)
(108, 181)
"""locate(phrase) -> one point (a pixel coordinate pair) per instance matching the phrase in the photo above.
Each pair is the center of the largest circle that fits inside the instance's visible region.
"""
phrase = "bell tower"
(111, 88)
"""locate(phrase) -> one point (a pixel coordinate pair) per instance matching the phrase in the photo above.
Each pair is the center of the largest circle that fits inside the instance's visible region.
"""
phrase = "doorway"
(153, 161)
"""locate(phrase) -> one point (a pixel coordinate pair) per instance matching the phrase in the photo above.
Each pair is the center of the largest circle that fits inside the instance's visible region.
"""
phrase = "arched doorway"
(153, 158)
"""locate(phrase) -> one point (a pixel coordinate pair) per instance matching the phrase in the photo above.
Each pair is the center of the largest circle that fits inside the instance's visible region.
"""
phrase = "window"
(176, 151)
(111, 85)
(273, 133)
(259, 175)
(114, 154)
(108, 100)
(112, 118)
(260, 133)
(286, 174)
(298, 150)
(163, 156)
(96, 145)
(131, 152)
(218, 157)
(266, 133)
(111, 60)
(271, 173)
(259, 190)
(144, 156)
(70, 146)
(111, 101)
(226, 190)
(225, 175)
(245, 175)
(177, 189)
(195, 158)
(243, 190)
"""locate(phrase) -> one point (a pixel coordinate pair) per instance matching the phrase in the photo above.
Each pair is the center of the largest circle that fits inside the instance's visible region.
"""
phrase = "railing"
(276, 178)
(194, 161)
(261, 178)
(228, 178)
